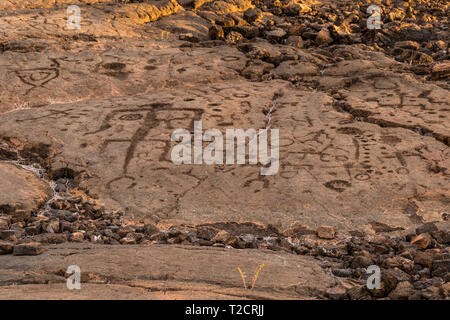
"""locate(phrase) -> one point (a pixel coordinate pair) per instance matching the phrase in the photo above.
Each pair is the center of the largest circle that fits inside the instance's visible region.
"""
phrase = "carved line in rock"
(39, 77)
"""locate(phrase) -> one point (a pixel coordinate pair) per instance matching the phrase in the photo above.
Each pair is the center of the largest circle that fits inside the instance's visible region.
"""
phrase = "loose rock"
(28, 249)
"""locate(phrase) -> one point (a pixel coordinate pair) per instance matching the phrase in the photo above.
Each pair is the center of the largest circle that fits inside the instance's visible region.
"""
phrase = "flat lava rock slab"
(333, 170)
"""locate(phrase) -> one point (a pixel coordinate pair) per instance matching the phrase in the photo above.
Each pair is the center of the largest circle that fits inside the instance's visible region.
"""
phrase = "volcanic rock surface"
(21, 190)
(86, 118)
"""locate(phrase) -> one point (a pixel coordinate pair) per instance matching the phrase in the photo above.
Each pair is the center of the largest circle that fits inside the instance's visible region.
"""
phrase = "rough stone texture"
(28, 249)
(326, 232)
(402, 292)
(20, 189)
(167, 272)
(363, 118)
(6, 247)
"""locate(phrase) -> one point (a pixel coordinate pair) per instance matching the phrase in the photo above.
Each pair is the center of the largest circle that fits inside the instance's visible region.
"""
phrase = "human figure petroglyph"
(150, 118)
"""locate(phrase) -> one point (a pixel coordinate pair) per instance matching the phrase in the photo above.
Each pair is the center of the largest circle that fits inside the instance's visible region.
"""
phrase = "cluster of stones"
(412, 32)
(413, 266)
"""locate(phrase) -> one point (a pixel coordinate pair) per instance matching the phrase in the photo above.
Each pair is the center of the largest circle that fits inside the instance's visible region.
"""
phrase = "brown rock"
(402, 292)
(21, 216)
(441, 70)
(53, 226)
(295, 41)
(8, 235)
(424, 258)
(233, 37)
(252, 15)
(216, 33)
(18, 225)
(300, 250)
(150, 229)
(426, 228)
(422, 241)
(6, 247)
(334, 251)
(359, 293)
(399, 262)
(294, 9)
(326, 232)
(225, 22)
(238, 20)
(288, 70)
(20, 191)
(189, 37)
(222, 237)
(413, 45)
(396, 14)
(77, 237)
(388, 283)
(224, 7)
(416, 296)
(399, 274)
(51, 238)
(248, 32)
(446, 289)
(336, 293)
(422, 58)
(237, 243)
(432, 293)
(276, 34)
(297, 230)
(441, 236)
(4, 223)
(129, 239)
(296, 30)
(361, 262)
(256, 68)
(28, 249)
(32, 231)
(324, 37)
(19, 231)
(345, 273)
(206, 233)
(441, 267)
(123, 231)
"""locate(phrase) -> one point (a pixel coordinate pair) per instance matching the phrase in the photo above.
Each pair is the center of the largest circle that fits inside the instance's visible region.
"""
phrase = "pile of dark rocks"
(413, 266)
(413, 32)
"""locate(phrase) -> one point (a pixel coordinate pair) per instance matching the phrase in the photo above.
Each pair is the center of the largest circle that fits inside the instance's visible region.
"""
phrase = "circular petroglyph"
(402, 170)
(329, 115)
(362, 176)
